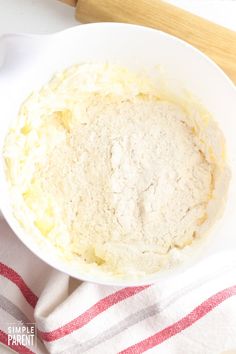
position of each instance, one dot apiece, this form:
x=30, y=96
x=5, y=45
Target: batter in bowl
x=109, y=172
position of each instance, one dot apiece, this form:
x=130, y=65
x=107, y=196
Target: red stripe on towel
x=200, y=311
x=91, y=313
x=14, y=277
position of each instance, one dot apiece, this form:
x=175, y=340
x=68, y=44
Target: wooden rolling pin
x=217, y=42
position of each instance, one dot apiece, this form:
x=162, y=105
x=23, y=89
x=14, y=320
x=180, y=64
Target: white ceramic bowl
x=28, y=61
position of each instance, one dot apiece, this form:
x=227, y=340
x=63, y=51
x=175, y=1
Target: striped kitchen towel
x=193, y=314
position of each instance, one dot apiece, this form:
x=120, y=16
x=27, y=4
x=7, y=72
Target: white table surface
x=45, y=16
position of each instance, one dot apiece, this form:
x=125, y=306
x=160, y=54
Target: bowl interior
x=30, y=61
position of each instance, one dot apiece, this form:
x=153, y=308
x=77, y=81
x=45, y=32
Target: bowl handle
x=18, y=50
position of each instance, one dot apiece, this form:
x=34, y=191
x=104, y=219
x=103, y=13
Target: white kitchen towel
x=193, y=314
